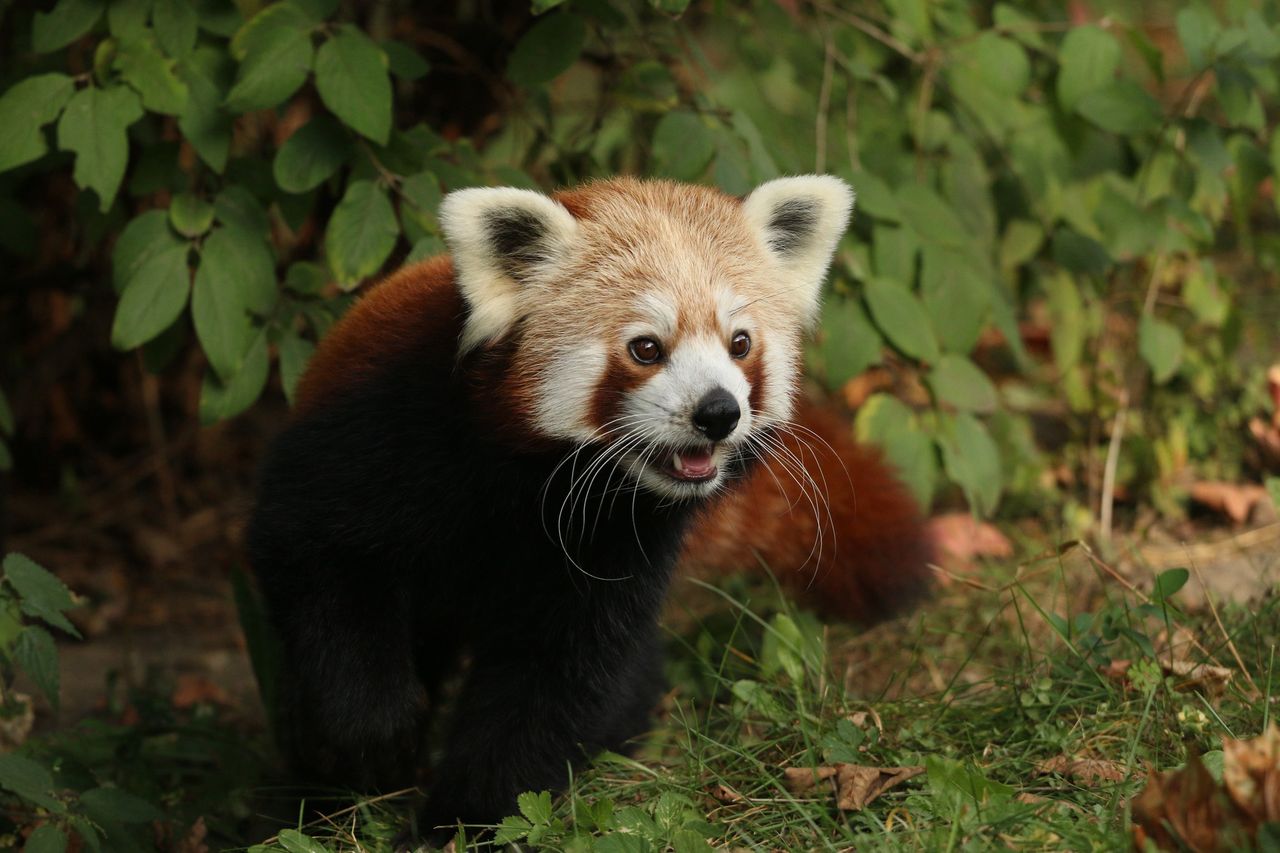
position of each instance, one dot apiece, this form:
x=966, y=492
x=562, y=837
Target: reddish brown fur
x=873, y=566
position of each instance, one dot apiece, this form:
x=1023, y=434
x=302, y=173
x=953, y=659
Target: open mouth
x=691, y=465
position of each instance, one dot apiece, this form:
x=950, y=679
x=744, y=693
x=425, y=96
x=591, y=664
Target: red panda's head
x=661, y=321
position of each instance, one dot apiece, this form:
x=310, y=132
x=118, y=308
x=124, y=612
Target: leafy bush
x=1019, y=177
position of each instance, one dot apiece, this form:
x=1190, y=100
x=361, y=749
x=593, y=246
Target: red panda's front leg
x=525, y=716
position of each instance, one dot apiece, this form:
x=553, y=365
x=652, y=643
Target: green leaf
x=849, y=344
x=972, y=461
x=206, y=125
x=931, y=216
x=959, y=382
x=152, y=75
x=236, y=207
x=235, y=281
x=1160, y=345
x=219, y=400
x=1089, y=58
x=296, y=842
x=295, y=352
x=997, y=63
x=535, y=807
x=154, y=295
x=176, y=26
x=29, y=780
x=1198, y=29
x=899, y=314
x=47, y=838
x=26, y=107
x=427, y=247
x=116, y=806
x=886, y=422
x=43, y=596
x=190, y=215
x=403, y=61
x=66, y=22
x=422, y=192
x=1122, y=107
x=1067, y=321
x=511, y=829
x=127, y=18
x=275, y=54
x=36, y=653
x=93, y=126
x=1169, y=582
x=1021, y=241
x=1080, y=254
x=893, y=253
x=683, y=145
x=311, y=155
x=146, y=236
x=547, y=50
x=306, y=277
x=956, y=297
x=351, y=76
x=1204, y=295
x=875, y=197
x=362, y=232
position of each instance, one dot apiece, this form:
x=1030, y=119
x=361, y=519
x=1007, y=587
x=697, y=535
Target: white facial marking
x=780, y=379
x=660, y=317
x=567, y=384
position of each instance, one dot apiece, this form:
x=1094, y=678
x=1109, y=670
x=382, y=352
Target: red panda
x=502, y=454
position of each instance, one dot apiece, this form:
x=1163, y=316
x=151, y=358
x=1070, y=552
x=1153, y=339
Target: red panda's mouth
x=691, y=465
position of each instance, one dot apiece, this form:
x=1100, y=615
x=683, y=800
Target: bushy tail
x=850, y=541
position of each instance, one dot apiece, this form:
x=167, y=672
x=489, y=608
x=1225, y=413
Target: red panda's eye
x=645, y=350
x=740, y=345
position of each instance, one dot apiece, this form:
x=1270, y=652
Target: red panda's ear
x=502, y=239
x=799, y=221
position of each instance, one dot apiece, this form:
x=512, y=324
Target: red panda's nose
x=716, y=414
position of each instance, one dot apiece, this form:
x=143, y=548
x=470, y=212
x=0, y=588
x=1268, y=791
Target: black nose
x=717, y=414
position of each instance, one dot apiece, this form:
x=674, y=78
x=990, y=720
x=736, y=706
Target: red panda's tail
x=866, y=561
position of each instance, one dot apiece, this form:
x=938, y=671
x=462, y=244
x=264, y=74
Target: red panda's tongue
x=692, y=464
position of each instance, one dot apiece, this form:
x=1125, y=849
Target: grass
x=982, y=687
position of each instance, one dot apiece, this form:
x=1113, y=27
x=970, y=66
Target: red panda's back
x=416, y=308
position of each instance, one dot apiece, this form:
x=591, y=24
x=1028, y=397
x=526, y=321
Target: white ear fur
x=502, y=238
x=800, y=220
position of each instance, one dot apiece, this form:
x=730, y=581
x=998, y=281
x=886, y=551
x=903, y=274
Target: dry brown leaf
x=960, y=538
x=856, y=785
x=725, y=794
x=1234, y=500
x=193, y=689
x=1084, y=769
x=1188, y=809
x=194, y=840
x=16, y=726
x=1251, y=774
x=1030, y=799
x=1198, y=676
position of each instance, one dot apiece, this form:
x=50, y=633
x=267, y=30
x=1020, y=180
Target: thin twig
x=1109, y=471
x=824, y=105
x=1213, y=608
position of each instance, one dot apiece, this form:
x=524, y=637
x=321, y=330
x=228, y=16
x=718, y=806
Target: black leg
x=353, y=708
x=524, y=719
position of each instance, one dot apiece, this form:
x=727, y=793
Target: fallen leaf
x=16, y=725
x=960, y=538
x=1083, y=769
x=1194, y=676
x=800, y=780
x=725, y=794
x=1027, y=798
x=193, y=689
x=1251, y=774
x=194, y=840
x=1234, y=500
x=1187, y=809
x=856, y=785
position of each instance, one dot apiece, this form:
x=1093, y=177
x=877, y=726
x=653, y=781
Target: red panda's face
x=660, y=322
